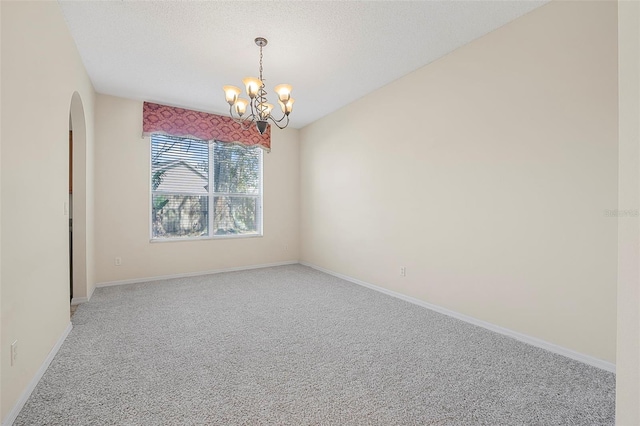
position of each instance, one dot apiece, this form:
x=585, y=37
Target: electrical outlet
x=14, y=352
x=403, y=271
x=118, y=261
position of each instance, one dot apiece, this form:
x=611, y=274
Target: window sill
x=192, y=239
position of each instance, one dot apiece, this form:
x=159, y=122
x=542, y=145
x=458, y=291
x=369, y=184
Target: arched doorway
x=77, y=201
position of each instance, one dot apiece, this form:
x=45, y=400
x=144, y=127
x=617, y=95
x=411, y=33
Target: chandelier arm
x=280, y=120
x=276, y=122
x=253, y=114
x=245, y=123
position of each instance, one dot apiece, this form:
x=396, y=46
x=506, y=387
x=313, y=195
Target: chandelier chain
x=261, y=64
x=261, y=98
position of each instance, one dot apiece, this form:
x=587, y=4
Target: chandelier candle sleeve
x=257, y=110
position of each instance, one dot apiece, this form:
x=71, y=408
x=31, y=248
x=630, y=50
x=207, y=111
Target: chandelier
x=260, y=109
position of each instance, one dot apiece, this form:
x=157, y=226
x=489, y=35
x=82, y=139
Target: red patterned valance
x=200, y=125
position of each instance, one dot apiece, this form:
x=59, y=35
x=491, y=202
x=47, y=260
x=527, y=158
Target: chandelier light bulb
x=267, y=109
x=241, y=106
x=264, y=110
x=284, y=92
x=288, y=106
x=231, y=94
x=252, y=85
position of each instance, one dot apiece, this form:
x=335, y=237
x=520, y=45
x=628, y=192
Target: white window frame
x=211, y=195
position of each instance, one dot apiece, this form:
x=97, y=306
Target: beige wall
x=1, y=347
x=487, y=174
x=122, y=205
x=41, y=70
x=628, y=355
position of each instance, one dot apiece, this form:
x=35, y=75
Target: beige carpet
x=293, y=346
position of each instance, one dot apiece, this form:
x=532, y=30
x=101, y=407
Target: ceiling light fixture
x=260, y=109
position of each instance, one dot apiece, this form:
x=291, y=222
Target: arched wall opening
x=78, y=199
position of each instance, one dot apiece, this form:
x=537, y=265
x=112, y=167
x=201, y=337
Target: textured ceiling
x=182, y=53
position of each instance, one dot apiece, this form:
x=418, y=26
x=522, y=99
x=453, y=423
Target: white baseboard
x=11, y=417
x=194, y=274
x=79, y=300
x=552, y=347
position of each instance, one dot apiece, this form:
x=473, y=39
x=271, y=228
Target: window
x=201, y=190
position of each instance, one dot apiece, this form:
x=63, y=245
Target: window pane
x=179, y=165
x=188, y=176
x=179, y=216
x=235, y=215
x=236, y=169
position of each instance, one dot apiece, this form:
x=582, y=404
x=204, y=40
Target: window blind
x=201, y=190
